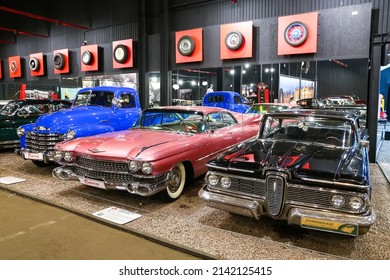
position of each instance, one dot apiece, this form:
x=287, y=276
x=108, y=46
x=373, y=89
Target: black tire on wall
x=34, y=64
x=59, y=61
x=233, y=40
x=87, y=58
x=121, y=53
x=186, y=45
x=296, y=33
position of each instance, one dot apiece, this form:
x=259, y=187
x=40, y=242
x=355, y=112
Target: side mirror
x=364, y=143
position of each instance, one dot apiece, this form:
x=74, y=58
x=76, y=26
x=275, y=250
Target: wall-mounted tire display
x=233, y=40
x=121, y=53
x=13, y=66
x=87, y=58
x=186, y=45
x=59, y=61
x=33, y=64
x=295, y=33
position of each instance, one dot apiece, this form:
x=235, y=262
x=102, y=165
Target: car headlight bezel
x=134, y=165
x=337, y=200
x=57, y=155
x=213, y=180
x=225, y=182
x=20, y=131
x=71, y=134
x=68, y=156
x=356, y=203
x=147, y=168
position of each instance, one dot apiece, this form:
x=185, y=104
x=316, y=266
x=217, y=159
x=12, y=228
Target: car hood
x=302, y=160
x=82, y=115
x=141, y=144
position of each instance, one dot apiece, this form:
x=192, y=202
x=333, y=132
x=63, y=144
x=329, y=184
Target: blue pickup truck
x=94, y=111
x=228, y=100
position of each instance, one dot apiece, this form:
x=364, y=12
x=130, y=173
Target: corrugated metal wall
x=198, y=13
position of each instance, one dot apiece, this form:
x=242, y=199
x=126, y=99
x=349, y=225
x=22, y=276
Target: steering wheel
x=191, y=127
x=332, y=138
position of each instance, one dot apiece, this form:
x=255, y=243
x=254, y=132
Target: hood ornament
x=41, y=128
x=95, y=151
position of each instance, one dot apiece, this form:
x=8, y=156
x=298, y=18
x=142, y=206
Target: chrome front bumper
x=294, y=214
x=45, y=156
x=133, y=187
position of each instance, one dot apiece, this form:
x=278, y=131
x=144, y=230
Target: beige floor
x=31, y=230
x=188, y=222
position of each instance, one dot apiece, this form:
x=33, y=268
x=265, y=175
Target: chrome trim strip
x=335, y=183
x=241, y=170
x=217, y=167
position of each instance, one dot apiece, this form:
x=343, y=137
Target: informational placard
x=117, y=215
x=11, y=180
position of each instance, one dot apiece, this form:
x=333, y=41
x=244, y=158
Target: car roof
x=108, y=88
x=222, y=92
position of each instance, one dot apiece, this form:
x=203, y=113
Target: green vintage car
x=18, y=112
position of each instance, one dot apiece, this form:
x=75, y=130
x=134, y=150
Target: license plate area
x=330, y=226
x=34, y=156
x=92, y=183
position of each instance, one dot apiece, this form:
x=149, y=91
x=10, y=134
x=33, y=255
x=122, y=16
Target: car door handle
x=230, y=133
x=104, y=121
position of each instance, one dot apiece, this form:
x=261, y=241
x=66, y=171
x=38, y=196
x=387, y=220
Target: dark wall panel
x=350, y=41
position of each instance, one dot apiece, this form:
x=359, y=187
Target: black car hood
x=303, y=160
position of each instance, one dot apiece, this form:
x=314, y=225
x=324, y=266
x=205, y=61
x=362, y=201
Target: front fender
x=90, y=130
x=27, y=128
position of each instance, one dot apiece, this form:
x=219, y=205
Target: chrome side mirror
x=364, y=143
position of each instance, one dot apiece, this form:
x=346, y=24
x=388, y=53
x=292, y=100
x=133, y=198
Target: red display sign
x=122, y=54
x=36, y=64
x=236, y=40
x=189, y=45
x=89, y=58
x=61, y=61
x=14, y=65
x=297, y=34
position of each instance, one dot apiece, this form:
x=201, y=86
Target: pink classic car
x=167, y=147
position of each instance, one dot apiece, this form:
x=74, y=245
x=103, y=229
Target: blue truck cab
x=94, y=111
x=229, y=100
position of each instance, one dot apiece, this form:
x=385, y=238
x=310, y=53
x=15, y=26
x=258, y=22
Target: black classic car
x=308, y=167
x=18, y=112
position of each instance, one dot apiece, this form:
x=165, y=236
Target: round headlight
x=71, y=134
x=355, y=203
x=337, y=200
x=213, y=180
x=20, y=131
x=225, y=182
x=57, y=155
x=133, y=165
x=146, y=168
x=68, y=156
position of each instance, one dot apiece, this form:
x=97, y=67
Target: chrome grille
x=114, y=177
x=102, y=165
x=42, y=142
x=250, y=187
x=301, y=195
x=274, y=196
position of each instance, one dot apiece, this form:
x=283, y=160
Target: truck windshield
x=94, y=98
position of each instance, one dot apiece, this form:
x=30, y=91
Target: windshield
x=94, y=98
x=9, y=109
x=262, y=109
x=178, y=121
x=307, y=129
